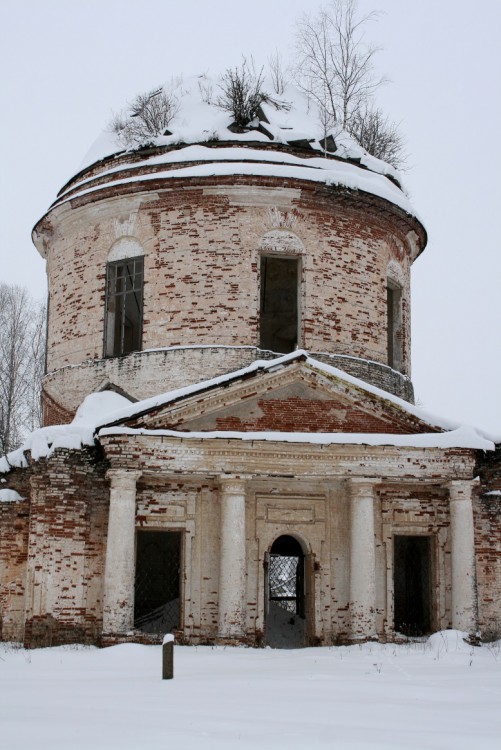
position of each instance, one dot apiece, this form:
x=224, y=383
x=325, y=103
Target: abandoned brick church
x=230, y=447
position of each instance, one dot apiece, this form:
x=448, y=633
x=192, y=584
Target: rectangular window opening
x=157, y=591
x=279, y=307
x=124, y=307
x=394, y=325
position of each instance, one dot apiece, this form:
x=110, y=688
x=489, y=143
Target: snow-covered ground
x=434, y=695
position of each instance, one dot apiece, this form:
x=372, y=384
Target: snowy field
x=429, y=696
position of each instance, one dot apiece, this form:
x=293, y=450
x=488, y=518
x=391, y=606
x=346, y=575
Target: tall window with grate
x=124, y=307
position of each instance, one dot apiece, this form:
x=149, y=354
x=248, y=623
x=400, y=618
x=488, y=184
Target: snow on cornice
x=265, y=365
x=202, y=161
x=102, y=413
x=463, y=437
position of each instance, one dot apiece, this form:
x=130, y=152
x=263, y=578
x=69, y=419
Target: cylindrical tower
x=175, y=263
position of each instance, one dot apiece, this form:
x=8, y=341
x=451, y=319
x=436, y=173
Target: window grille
x=124, y=307
x=283, y=574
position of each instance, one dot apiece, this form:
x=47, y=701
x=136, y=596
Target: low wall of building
x=144, y=374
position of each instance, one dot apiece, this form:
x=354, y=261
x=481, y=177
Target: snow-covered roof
x=200, y=118
x=272, y=365
x=462, y=437
x=101, y=414
x=201, y=142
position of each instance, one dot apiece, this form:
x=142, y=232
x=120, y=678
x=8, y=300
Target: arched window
x=123, y=321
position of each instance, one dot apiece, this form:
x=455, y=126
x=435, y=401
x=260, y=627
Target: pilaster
x=118, y=605
x=232, y=571
x=362, y=558
x=464, y=600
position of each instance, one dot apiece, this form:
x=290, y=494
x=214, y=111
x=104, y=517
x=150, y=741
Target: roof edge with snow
x=89, y=423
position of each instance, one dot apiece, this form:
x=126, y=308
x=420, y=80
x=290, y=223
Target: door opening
x=157, y=582
x=285, y=585
x=412, y=585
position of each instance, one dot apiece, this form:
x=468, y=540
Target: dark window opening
x=157, y=582
x=124, y=307
x=278, y=315
x=394, y=325
x=412, y=585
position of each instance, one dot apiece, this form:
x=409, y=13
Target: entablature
x=211, y=457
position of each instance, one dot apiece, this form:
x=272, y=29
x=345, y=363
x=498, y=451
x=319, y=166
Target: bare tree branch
x=279, y=73
x=335, y=67
x=22, y=347
x=378, y=136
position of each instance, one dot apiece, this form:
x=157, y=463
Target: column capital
x=362, y=487
x=123, y=477
x=233, y=484
x=461, y=489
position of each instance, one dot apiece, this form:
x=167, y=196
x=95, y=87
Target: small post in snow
x=168, y=657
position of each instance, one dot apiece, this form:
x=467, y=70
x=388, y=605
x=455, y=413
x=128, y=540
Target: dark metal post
x=168, y=657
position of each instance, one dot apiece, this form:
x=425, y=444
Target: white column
x=464, y=603
x=362, y=559
x=232, y=578
x=118, y=604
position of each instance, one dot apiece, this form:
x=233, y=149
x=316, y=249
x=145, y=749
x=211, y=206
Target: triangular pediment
x=293, y=397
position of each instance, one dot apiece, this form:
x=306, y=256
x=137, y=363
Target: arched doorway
x=286, y=595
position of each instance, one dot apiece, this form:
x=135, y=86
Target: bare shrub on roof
x=206, y=89
x=241, y=93
x=146, y=117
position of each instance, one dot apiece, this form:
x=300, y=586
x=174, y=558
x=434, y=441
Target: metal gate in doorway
x=286, y=621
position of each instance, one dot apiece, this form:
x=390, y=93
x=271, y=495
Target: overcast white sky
x=68, y=64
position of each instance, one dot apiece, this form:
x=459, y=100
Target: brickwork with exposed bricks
x=202, y=247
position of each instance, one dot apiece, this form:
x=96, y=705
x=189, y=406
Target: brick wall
x=14, y=524
x=488, y=542
x=145, y=374
x=202, y=246
x=52, y=559
x=67, y=538
x=414, y=511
